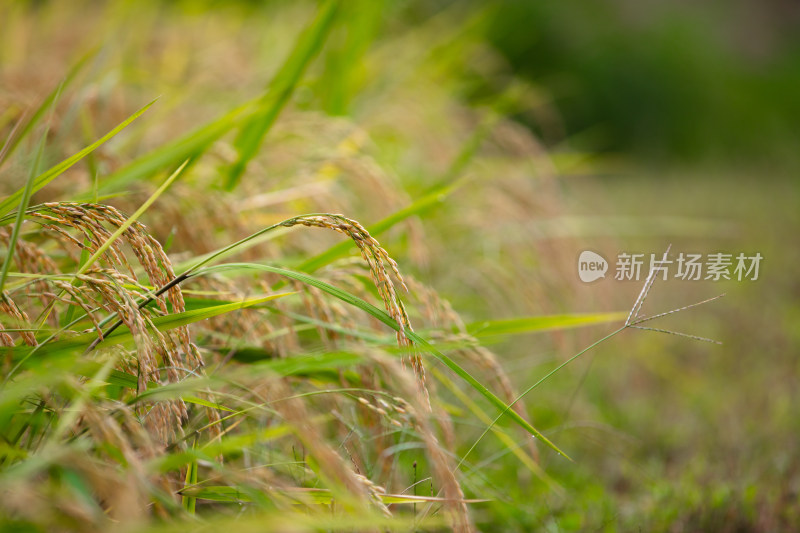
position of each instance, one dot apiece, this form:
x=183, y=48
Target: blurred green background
x=676, y=80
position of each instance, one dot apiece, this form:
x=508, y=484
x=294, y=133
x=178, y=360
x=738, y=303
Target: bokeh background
x=616, y=126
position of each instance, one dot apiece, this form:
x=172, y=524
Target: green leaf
x=189, y=502
x=281, y=89
x=516, y=326
x=311, y=363
x=179, y=150
x=206, y=403
x=121, y=336
x=122, y=379
x=43, y=179
x=27, y=191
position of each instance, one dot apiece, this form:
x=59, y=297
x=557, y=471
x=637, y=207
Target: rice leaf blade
x=46, y=177
x=27, y=191
x=280, y=90
x=178, y=150
x=517, y=326
x=121, y=336
x=190, y=502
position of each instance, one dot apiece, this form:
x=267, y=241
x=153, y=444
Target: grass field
x=307, y=267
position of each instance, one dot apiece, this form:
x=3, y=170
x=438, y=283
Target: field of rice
x=313, y=266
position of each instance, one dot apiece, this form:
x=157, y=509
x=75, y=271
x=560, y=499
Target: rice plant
x=185, y=341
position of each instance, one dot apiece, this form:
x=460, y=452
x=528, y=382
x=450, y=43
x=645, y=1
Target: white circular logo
x=591, y=266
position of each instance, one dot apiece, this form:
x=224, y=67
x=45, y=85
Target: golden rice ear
x=113, y=287
x=377, y=259
x=11, y=309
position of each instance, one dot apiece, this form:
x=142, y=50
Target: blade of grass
x=27, y=192
x=516, y=326
x=29, y=422
x=310, y=363
x=43, y=179
x=281, y=89
x=206, y=403
x=344, y=64
x=189, y=502
x=10, y=139
x=180, y=389
x=181, y=149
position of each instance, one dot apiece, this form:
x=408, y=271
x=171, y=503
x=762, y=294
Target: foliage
x=192, y=336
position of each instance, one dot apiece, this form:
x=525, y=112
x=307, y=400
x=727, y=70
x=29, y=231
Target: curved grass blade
x=11, y=137
x=189, y=502
x=311, y=363
x=43, y=179
x=206, y=403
